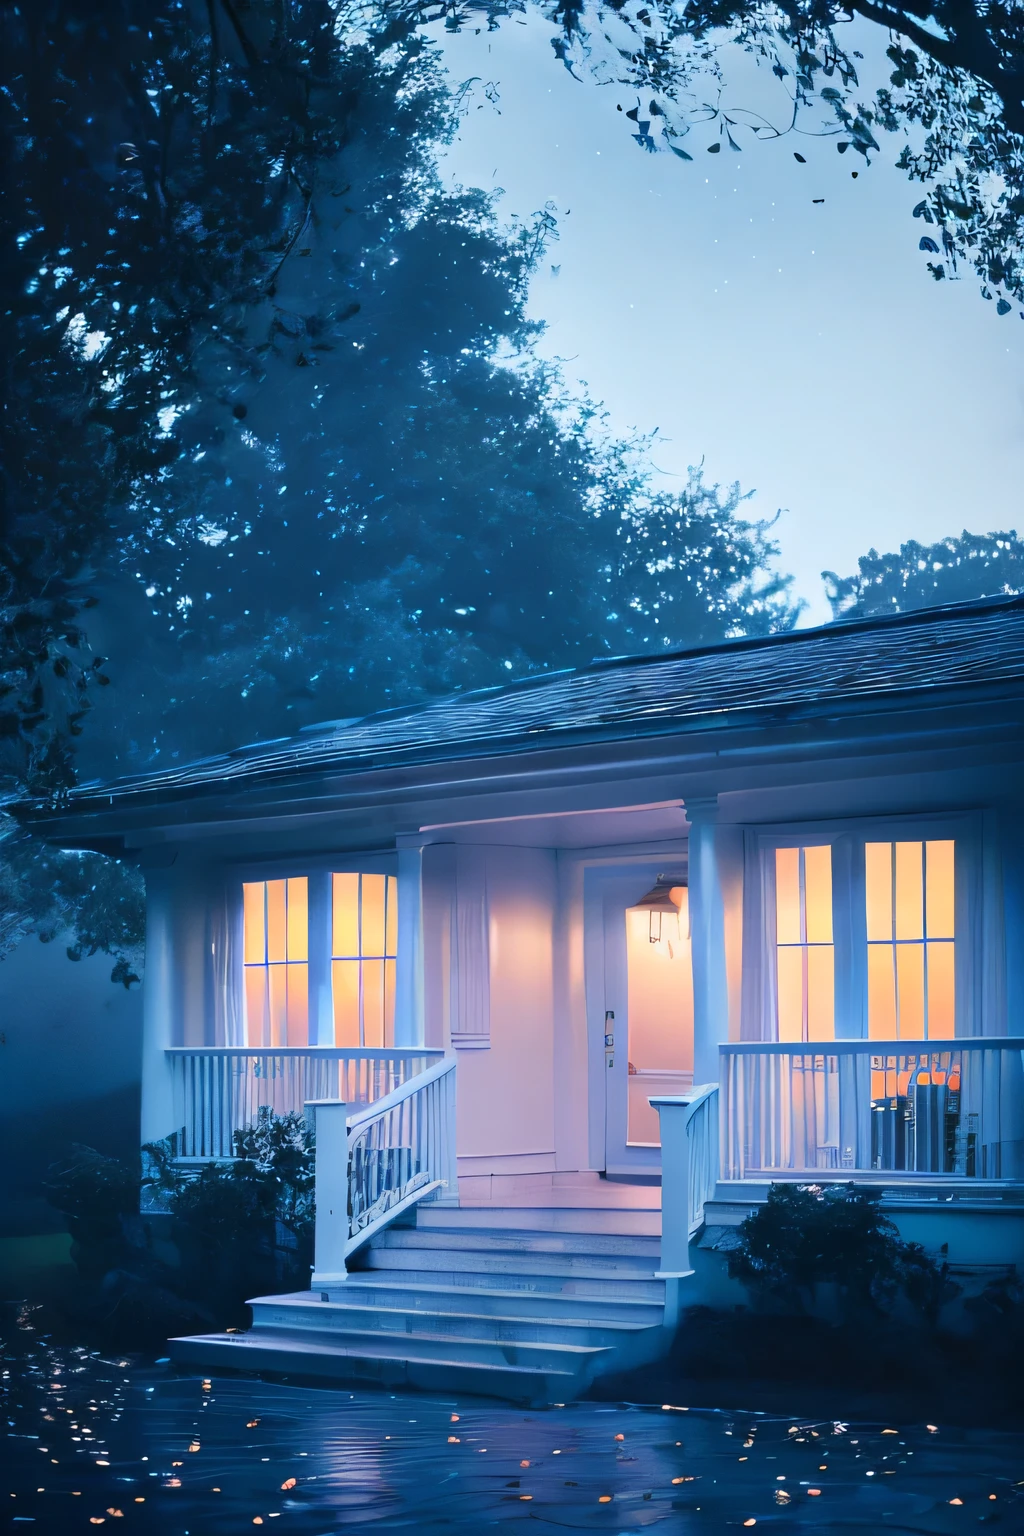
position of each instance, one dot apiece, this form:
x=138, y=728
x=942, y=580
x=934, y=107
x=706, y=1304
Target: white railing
x=374, y=1164
x=689, y=1170
x=863, y=1107
x=218, y=1090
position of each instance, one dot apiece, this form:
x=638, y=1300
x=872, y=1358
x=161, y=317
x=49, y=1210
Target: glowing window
x=804, y=954
x=910, y=923
x=276, y=955
x=364, y=945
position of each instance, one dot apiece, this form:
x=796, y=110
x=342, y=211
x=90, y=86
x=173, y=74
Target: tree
x=954, y=570
x=955, y=96
x=278, y=387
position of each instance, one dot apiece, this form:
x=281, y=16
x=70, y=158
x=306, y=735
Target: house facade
x=775, y=887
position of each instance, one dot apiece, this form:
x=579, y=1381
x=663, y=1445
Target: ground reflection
x=94, y=1441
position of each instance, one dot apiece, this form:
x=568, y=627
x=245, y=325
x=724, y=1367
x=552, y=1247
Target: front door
x=648, y=1011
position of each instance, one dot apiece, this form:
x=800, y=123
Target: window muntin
x=364, y=947
x=276, y=962
x=909, y=897
x=804, y=949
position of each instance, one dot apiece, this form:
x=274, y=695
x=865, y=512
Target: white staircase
x=527, y=1304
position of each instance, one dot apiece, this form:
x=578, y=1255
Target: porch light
x=661, y=898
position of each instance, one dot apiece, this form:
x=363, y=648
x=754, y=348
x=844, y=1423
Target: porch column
x=707, y=939
x=321, y=999
x=174, y=992
x=410, y=1026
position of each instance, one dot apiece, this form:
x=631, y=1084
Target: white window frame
x=976, y=941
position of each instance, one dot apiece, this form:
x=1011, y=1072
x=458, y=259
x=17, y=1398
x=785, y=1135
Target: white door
x=648, y=1012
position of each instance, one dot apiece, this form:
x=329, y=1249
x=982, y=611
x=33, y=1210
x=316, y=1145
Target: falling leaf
x=799, y=157
x=620, y=1437
x=289, y=1482
x=455, y=1418
x=713, y=149
x=194, y=1446
x=252, y=1424
x=813, y=1493
x=524, y=1463
x=956, y=1501
x=454, y=1440
x=118, y=1514
x=605, y=1498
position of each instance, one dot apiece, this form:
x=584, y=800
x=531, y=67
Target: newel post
x=330, y=1124
x=674, y=1116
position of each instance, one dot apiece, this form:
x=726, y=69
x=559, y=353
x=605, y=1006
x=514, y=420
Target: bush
x=808, y=1237
x=231, y=1231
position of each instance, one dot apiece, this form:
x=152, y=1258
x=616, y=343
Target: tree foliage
x=953, y=98
x=279, y=446
x=953, y=570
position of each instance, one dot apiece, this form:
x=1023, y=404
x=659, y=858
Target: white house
x=775, y=887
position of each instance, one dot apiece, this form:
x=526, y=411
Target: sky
x=799, y=347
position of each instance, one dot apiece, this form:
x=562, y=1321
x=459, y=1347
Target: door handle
x=609, y=1037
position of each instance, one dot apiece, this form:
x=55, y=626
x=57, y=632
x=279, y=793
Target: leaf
x=799, y=157
x=680, y=152
x=843, y=146
x=926, y=243
x=733, y=144
x=634, y=113
x=1003, y=308
x=713, y=149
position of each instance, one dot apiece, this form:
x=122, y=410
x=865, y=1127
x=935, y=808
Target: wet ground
x=97, y=1441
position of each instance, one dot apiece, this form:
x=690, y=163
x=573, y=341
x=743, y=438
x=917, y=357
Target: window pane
x=345, y=914
x=373, y=1002
x=881, y=990
x=277, y=983
x=941, y=992
x=345, y=983
x=818, y=894
x=910, y=890
x=371, y=915
x=910, y=989
x=391, y=932
x=253, y=896
x=276, y=924
x=298, y=920
x=939, y=862
x=878, y=885
x=821, y=1023
x=256, y=1004
x=787, y=896
x=791, y=993
x=298, y=1004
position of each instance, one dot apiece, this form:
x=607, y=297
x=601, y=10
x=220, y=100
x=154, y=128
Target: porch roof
x=951, y=652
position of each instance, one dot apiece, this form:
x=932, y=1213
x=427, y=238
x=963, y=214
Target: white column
x=707, y=931
x=330, y=1123
x=321, y=1000
x=158, y=1112
x=409, y=1001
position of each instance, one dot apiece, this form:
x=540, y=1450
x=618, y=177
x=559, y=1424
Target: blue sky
x=798, y=347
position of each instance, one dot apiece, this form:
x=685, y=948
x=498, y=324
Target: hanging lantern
x=659, y=901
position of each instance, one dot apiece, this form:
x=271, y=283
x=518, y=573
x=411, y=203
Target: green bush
x=807, y=1237
x=222, y=1233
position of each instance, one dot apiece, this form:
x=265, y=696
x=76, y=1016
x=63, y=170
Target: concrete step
x=536, y=1277
x=482, y=1239
x=426, y=1343
x=309, y=1314
x=454, y=1258
x=375, y=1288
x=293, y=1355
x=642, y=1223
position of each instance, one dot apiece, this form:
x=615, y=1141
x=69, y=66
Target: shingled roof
x=916, y=655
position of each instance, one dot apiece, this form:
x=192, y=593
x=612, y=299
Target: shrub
x=806, y=1237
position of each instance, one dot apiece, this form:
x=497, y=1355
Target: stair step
x=616, y=1220
x=536, y=1279
x=481, y=1240
x=296, y=1356
x=562, y=1266
x=427, y=1344
x=377, y=1288
x=309, y=1314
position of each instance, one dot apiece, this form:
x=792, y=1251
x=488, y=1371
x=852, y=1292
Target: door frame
x=608, y=890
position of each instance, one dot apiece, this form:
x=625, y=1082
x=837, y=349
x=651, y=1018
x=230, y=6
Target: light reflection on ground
x=94, y=1442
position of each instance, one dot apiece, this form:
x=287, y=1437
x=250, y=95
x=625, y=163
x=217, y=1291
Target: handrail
x=376, y=1164
x=219, y=1090
x=689, y=1173
x=318, y=1052
x=400, y=1094
x=872, y=1047
x=916, y=1109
